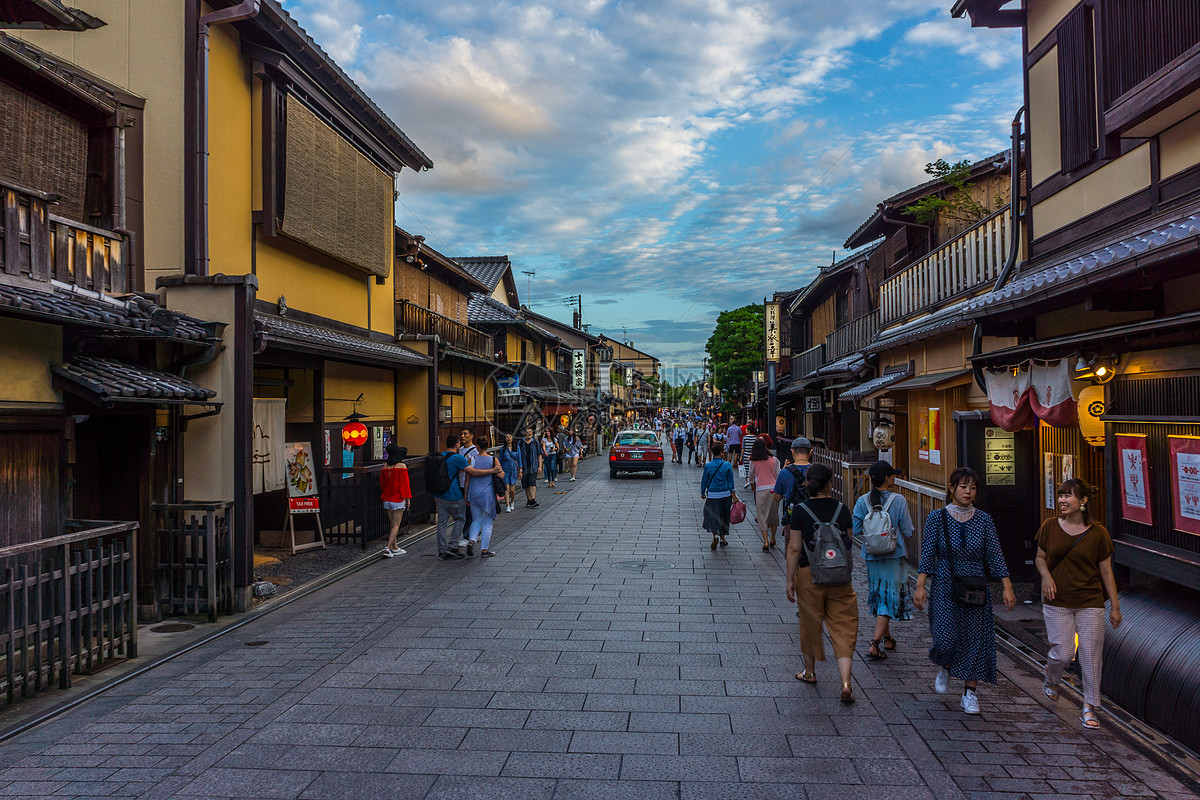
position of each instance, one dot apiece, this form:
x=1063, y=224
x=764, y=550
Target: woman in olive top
x=1074, y=558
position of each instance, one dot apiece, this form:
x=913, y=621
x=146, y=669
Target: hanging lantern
x=355, y=434
x=884, y=435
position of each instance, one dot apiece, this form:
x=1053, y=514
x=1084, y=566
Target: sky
x=667, y=159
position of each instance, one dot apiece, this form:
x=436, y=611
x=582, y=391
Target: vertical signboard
x=578, y=369
x=1185, y=482
x=774, y=341
x=1135, y=478
x=1000, y=461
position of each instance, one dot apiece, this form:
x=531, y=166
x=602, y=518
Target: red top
x=393, y=483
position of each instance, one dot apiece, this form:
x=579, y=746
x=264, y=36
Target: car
x=635, y=451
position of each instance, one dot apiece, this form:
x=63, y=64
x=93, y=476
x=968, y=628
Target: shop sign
x=509, y=386
x=1068, y=467
x=578, y=369
x=812, y=405
x=1135, y=478
x=999, y=453
x=773, y=338
x=1185, y=482
x=304, y=505
x=629, y=376
x=1048, y=479
x=301, y=480
x=606, y=380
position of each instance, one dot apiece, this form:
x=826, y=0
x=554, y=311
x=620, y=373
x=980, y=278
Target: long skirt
x=716, y=515
x=765, y=511
x=835, y=606
x=887, y=582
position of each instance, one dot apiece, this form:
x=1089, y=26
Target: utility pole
x=577, y=301
x=529, y=273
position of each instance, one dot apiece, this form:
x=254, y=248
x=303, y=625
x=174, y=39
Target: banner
x=1008, y=399
x=1135, y=478
x=1185, y=482
x=578, y=369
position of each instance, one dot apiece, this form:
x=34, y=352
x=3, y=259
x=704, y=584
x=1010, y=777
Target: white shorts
x=395, y=506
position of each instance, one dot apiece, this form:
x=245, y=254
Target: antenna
x=529, y=273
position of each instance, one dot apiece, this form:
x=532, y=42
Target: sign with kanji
x=578, y=369
x=999, y=450
x=1185, y=482
x=508, y=386
x=1135, y=478
x=774, y=339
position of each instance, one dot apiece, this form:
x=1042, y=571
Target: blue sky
x=642, y=153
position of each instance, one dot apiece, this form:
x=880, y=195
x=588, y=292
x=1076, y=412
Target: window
x=1141, y=37
x=1077, y=89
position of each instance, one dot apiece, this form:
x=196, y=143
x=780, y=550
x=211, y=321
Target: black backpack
x=437, y=474
x=799, y=491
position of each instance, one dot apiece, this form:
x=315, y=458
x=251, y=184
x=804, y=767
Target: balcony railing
x=806, y=362
x=71, y=606
x=412, y=318
x=853, y=336
x=41, y=246
x=959, y=267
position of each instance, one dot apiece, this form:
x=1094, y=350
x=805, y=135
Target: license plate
x=635, y=455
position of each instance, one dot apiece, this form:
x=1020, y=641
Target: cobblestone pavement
x=605, y=652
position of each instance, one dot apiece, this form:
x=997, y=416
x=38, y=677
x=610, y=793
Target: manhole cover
x=172, y=627
x=256, y=644
x=642, y=566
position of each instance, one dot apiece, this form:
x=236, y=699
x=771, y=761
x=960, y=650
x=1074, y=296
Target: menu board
x=1185, y=482
x=1135, y=478
x=1000, y=457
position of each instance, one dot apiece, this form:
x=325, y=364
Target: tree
x=735, y=350
x=958, y=204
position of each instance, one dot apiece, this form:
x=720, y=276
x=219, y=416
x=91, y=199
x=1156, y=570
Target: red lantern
x=355, y=434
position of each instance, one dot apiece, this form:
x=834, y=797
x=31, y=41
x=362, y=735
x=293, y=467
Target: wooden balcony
x=806, y=362
x=960, y=267
x=42, y=246
x=853, y=336
x=412, y=318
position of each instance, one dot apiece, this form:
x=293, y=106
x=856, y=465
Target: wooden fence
x=69, y=606
x=195, y=558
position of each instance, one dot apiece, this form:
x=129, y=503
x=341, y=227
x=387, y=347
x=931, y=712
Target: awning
x=108, y=381
x=846, y=365
x=936, y=380
x=71, y=305
x=304, y=337
x=945, y=320
x=875, y=386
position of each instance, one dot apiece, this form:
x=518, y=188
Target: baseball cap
x=800, y=443
x=881, y=469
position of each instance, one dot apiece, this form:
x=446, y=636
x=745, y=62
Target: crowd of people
x=959, y=559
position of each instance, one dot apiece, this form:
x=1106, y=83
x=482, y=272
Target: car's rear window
x=627, y=439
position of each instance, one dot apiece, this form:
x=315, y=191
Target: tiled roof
x=70, y=305
x=47, y=15
x=846, y=365
x=112, y=381
x=481, y=308
x=1113, y=259
x=488, y=270
x=883, y=381
x=950, y=318
x=306, y=337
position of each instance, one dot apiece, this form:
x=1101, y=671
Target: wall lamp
x=1098, y=369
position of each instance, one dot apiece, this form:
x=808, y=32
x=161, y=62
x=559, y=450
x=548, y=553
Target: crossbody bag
x=966, y=590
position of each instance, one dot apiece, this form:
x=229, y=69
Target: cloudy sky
x=667, y=159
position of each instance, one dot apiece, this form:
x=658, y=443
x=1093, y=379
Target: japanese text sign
x=1185, y=482
x=773, y=336
x=578, y=369
x=1135, y=478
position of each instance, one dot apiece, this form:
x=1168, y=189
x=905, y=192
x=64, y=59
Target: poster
x=1050, y=489
x=1185, y=482
x=327, y=447
x=1135, y=478
x=377, y=451
x=999, y=454
x=923, y=433
x=301, y=479
x=935, y=436
x=1068, y=467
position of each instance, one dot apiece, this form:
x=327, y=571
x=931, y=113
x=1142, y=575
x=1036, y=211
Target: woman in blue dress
x=510, y=462
x=484, y=502
x=964, y=636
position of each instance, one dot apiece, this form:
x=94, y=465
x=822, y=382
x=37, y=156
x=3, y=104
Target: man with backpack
x=789, y=486
x=441, y=480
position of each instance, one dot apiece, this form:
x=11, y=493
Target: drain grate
x=172, y=627
x=645, y=565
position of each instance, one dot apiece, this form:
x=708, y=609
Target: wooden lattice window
x=1077, y=88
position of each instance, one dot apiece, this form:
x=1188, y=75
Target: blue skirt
x=887, y=581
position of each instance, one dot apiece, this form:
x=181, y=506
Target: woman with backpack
x=881, y=518
x=961, y=550
x=716, y=487
x=818, y=578
x=764, y=469
x=1074, y=558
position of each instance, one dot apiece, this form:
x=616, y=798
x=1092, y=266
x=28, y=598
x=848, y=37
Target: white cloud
x=992, y=49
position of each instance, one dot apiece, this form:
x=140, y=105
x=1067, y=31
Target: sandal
x=847, y=694
x=1088, y=718
x=1051, y=692
x=766, y=548
x=723, y=542
x=806, y=676
x=879, y=655
x=888, y=642
x=714, y=544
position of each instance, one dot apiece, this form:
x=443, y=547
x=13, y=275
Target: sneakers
x=387, y=553
x=470, y=549
x=942, y=682
x=532, y=504
x=969, y=702
x=463, y=542
x=486, y=554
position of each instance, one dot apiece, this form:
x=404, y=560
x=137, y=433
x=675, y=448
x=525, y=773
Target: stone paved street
x=605, y=652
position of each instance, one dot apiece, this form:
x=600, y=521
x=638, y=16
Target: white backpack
x=879, y=535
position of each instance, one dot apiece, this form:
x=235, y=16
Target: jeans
x=481, y=523
x=551, y=467
x=448, y=510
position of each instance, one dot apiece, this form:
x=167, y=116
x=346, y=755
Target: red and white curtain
x=1019, y=398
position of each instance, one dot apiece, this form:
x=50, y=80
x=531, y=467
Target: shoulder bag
x=966, y=590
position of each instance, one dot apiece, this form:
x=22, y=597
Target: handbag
x=498, y=486
x=966, y=590
x=737, y=512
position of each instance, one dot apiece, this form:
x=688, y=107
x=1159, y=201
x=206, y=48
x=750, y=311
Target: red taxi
x=635, y=451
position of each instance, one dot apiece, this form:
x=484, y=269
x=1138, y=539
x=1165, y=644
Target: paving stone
x=622, y=742
x=368, y=786
x=563, y=765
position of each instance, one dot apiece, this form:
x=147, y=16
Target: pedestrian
x=733, y=442
x=510, y=462
x=887, y=574
x=678, y=443
x=528, y=467
x=703, y=442
x=961, y=550
x=1073, y=591
x=574, y=451
x=394, y=491
x=790, y=478
x=549, y=457
x=716, y=488
x=835, y=606
x=468, y=450
x=748, y=439
x=764, y=471
x=481, y=494
x=451, y=511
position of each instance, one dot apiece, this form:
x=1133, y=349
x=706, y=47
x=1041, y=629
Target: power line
x=445, y=247
x=770, y=228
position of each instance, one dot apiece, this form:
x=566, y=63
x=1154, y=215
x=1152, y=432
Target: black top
x=823, y=507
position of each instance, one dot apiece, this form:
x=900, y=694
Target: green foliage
x=735, y=349
x=958, y=204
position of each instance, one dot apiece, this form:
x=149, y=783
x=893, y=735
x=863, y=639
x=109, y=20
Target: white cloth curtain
x=270, y=469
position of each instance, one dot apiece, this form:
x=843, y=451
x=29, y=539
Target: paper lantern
x=355, y=434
